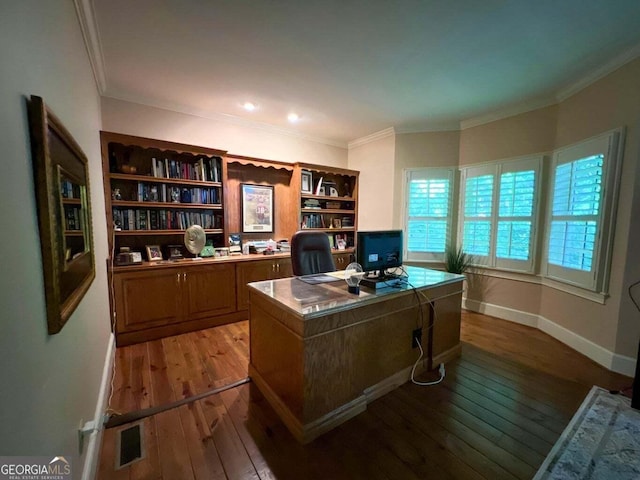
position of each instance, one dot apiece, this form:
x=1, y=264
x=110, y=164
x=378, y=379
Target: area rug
x=602, y=441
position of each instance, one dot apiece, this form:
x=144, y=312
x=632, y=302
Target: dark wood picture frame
x=257, y=208
x=61, y=176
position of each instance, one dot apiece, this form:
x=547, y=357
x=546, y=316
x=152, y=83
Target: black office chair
x=311, y=253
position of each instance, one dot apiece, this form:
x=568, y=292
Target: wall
x=240, y=139
x=425, y=149
x=375, y=161
x=611, y=102
x=49, y=383
x=527, y=133
x=524, y=134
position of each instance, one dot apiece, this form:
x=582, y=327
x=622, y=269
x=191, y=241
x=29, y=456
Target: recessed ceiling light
x=249, y=107
x=293, y=117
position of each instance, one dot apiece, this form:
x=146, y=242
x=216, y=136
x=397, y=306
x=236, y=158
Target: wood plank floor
x=501, y=407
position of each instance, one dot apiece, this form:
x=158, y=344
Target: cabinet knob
x=278, y=268
x=184, y=277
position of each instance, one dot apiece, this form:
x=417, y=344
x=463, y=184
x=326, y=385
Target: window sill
x=596, y=297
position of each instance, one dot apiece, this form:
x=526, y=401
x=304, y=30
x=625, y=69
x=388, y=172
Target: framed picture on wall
x=61, y=181
x=257, y=208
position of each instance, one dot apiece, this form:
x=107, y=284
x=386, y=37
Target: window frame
x=497, y=169
x=430, y=173
x=610, y=144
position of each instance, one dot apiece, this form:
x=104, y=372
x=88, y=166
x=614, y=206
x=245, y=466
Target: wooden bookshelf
x=328, y=202
x=154, y=190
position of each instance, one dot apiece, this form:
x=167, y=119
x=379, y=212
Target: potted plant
x=456, y=260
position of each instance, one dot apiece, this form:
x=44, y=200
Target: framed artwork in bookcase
x=257, y=208
x=61, y=177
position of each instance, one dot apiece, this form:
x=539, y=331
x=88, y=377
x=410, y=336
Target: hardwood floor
x=501, y=407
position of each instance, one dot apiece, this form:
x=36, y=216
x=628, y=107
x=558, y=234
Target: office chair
x=311, y=253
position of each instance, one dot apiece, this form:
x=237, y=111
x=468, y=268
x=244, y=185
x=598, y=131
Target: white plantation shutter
x=478, y=207
x=578, y=239
x=517, y=213
x=428, y=213
x=500, y=204
x=576, y=205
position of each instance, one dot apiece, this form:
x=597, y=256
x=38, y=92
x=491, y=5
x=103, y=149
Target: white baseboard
x=608, y=359
x=95, y=438
x=505, y=313
x=623, y=365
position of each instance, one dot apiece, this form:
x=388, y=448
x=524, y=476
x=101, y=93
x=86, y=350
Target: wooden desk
x=320, y=354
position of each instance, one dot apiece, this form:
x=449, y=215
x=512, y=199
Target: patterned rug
x=602, y=441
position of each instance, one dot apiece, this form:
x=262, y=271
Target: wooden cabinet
x=146, y=299
x=155, y=302
x=154, y=190
x=329, y=202
x=343, y=259
x=256, y=271
x=209, y=291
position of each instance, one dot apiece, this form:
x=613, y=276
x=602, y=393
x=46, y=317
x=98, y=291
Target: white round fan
x=194, y=240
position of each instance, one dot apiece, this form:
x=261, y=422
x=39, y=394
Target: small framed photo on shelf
x=175, y=252
x=153, y=253
x=307, y=182
x=336, y=223
x=341, y=242
x=235, y=243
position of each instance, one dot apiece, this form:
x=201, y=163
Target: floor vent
x=129, y=446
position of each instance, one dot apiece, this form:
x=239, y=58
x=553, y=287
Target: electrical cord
x=441, y=368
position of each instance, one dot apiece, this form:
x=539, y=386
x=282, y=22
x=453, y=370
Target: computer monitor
x=379, y=250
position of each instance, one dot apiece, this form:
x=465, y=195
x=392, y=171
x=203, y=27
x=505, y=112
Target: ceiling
x=353, y=68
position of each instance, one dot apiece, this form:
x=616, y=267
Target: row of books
x=69, y=189
x=72, y=218
x=205, y=169
x=141, y=219
x=316, y=220
x=166, y=193
x=313, y=221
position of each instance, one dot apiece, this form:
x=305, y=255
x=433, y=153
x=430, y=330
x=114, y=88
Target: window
x=499, y=212
x=583, y=189
x=428, y=219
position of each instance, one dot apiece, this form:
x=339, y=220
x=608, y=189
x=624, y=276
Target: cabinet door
x=341, y=260
x=209, y=290
x=254, y=271
x=147, y=299
x=283, y=268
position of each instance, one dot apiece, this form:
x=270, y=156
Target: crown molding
x=507, y=112
x=89, y=28
x=592, y=77
x=452, y=126
x=372, y=138
x=227, y=118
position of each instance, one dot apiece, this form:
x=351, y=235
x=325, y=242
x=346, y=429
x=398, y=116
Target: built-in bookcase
x=329, y=202
x=155, y=190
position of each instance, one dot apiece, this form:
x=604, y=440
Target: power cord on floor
x=441, y=370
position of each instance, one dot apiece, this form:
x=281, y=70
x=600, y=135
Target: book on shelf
x=205, y=169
